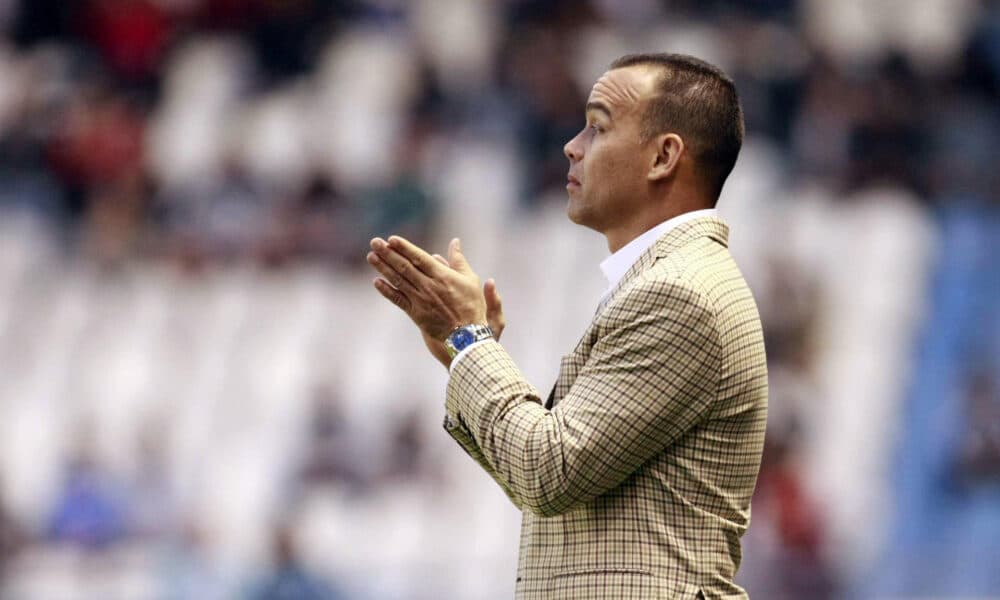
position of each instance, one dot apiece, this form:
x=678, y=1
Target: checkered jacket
x=635, y=477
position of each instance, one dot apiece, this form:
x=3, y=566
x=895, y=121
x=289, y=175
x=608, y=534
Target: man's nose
x=573, y=150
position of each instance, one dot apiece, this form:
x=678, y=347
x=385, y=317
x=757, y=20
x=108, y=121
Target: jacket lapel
x=677, y=237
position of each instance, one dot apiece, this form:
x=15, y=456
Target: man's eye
x=596, y=128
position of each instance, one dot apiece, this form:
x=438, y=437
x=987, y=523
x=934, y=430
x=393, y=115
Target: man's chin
x=576, y=213
x=573, y=211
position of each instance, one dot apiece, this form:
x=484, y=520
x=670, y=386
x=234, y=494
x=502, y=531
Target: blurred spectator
x=401, y=207
x=320, y=223
x=888, y=141
x=289, y=578
x=114, y=222
x=132, y=36
x=97, y=143
x=406, y=449
x=92, y=508
x=331, y=457
x=782, y=496
x=979, y=453
x=11, y=538
x=46, y=20
x=189, y=569
x=155, y=513
x=225, y=217
x=790, y=328
x=541, y=85
x=287, y=34
x=820, y=135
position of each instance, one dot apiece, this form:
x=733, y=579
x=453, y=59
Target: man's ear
x=669, y=148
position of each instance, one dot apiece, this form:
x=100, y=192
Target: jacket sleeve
x=651, y=376
x=461, y=434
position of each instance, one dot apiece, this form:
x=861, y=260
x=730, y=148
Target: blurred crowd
x=202, y=397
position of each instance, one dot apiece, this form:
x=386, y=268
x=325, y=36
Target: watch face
x=462, y=338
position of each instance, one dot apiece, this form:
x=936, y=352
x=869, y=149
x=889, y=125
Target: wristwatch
x=464, y=336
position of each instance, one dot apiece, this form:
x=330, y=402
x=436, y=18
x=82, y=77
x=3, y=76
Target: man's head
x=662, y=134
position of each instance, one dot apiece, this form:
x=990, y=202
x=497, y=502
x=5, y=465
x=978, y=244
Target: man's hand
x=437, y=294
x=494, y=316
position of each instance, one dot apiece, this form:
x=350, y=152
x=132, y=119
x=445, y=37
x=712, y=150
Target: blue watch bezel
x=462, y=338
x=465, y=336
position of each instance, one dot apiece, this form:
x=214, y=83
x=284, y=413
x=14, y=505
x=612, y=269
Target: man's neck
x=617, y=265
x=619, y=237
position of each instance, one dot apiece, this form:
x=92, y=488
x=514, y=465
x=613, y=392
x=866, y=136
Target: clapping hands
x=438, y=294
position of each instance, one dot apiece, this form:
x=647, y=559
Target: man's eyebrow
x=594, y=105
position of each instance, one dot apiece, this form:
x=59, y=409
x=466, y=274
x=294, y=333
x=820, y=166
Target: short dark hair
x=697, y=101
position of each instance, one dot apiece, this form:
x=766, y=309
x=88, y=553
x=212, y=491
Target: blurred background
x=201, y=396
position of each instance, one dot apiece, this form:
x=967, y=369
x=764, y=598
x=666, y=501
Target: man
x=635, y=476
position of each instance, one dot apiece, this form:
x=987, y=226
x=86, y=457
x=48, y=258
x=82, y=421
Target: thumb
x=493, y=302
x=494, y=308
x=456, y=258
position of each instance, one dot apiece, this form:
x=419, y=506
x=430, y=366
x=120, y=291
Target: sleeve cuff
x=458, y=357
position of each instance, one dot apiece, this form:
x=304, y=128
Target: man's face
x=608, y=160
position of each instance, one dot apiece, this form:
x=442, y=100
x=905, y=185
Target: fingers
x=424, y=262
x=442, y=260
x=401, y=265
x=391, y=275
x=456, y=258
x=392, y=294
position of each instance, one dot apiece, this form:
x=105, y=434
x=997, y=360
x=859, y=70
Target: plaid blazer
x=634, y=478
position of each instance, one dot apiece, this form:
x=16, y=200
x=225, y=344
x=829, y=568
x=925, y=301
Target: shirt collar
x=615, y=266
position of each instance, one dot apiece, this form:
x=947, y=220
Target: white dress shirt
x=615, y=266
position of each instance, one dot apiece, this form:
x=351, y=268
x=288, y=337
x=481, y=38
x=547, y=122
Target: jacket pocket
x=600, y=570
x=626, y=583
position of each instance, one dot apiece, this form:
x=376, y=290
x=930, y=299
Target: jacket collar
x=710, y=226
